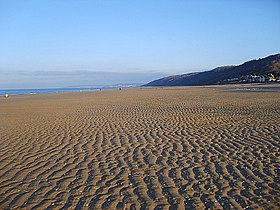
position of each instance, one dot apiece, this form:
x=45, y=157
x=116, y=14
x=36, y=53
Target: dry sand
x=166, y=148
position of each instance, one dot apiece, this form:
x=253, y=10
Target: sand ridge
x=162, y=148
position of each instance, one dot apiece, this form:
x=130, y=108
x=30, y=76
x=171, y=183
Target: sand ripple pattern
x=188, y=148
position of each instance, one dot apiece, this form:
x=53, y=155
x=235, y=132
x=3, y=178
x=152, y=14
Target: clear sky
x=61, y=43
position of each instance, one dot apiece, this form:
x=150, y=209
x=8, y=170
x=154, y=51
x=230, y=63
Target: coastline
x=50, y=90
x=251, y=86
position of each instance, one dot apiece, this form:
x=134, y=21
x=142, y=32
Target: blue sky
x=61, y=43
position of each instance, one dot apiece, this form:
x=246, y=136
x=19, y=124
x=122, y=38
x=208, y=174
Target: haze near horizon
x=73, y=43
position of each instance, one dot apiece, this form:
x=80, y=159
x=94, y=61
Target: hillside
x=264, y=66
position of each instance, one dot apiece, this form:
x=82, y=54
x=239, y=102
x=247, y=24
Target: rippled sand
x=167, y=148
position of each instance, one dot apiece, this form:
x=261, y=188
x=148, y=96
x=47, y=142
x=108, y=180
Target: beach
x=150, y=148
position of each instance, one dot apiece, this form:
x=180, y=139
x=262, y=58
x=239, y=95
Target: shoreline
x=230, y=87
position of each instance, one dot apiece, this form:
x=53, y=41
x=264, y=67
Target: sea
x=51, y=90
x=256, y=88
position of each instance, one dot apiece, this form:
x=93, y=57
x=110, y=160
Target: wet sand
x=165, y=148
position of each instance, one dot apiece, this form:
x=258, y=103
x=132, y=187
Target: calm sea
x=52, y=90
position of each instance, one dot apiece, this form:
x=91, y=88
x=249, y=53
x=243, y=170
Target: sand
x=165, y=148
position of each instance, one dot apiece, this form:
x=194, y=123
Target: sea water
x=51, y=90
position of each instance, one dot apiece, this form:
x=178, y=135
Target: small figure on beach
x=6, y=95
